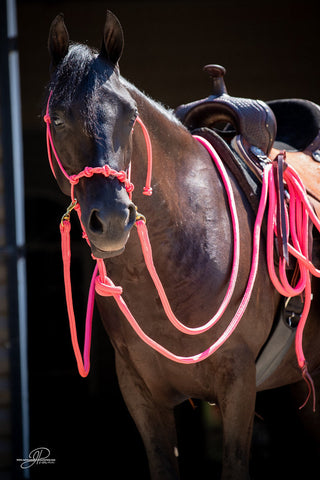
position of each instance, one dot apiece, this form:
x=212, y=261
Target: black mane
x=78, y=76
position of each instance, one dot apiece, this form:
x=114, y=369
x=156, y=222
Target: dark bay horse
x=93, y=110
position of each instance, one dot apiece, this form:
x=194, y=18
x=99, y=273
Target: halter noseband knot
x=74, y=179
x=88, y=172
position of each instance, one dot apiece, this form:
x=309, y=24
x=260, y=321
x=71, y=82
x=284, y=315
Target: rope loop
x=107, y=289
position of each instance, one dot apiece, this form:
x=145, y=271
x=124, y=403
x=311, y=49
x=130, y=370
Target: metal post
x=15, y=224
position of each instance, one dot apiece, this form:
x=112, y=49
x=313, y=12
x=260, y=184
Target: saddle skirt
x=258, y=131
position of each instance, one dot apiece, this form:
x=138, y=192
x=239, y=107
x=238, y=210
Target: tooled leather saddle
x=259, y=130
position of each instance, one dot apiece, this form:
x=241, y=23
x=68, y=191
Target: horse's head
x=91, y=119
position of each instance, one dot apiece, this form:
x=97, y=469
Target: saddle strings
x=300, y=211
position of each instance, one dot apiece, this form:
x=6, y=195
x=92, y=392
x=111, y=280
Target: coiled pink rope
x=147, y=252
x=300, y=212
x=105, y=287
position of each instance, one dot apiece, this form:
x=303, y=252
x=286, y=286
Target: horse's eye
x=58, y=122
x=133, y=118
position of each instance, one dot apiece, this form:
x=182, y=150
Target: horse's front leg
x=236, y=398
x=154, y=420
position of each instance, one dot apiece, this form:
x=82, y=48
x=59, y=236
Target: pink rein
x=300, y=211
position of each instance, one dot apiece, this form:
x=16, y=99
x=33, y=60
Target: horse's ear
x=112, y=43
x=58, y=41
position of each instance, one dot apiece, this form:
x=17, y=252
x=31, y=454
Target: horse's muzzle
x=108, y=229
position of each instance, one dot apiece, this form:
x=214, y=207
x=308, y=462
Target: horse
x=93, y=112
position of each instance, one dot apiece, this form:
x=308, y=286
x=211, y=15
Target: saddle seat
x=257, y=129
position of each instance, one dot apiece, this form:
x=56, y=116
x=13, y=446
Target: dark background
x=270, y=50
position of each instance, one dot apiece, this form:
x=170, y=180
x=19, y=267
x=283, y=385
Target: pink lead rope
x=300, y=211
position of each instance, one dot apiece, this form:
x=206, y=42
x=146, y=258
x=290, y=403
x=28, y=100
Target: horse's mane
x=80, y=70
x=163, y=109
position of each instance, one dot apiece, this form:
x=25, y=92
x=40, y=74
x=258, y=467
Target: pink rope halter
x=299, y=213
x=90, y=171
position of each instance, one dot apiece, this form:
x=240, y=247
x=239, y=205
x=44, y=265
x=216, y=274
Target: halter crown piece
x=298, y=215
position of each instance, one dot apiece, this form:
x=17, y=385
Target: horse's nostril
x=96, y=225
x=122, y=219
x=132, y=214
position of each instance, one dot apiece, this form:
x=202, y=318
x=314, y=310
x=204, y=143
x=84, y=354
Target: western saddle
x=247, y=134
x=258, y=131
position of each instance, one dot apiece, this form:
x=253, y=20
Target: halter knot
x=88, y=172
x=147, y=191
x=47, y=119
x=106, y=170
x=122, y=177
x=74, y=179
x=129, y=186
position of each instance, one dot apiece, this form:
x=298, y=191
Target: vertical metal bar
x=18, y=180
x=15, y=224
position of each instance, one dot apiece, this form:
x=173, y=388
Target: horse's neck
x=187, y=201
x=186, y=215
x=176, y=156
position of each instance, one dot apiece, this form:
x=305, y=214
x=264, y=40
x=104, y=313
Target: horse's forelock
x=70, y=74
